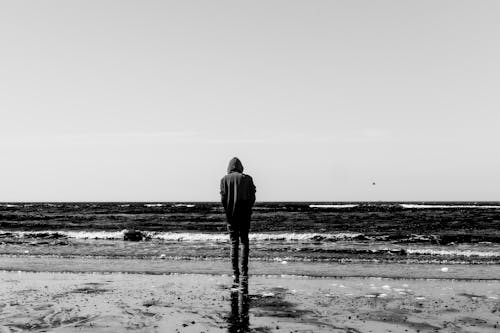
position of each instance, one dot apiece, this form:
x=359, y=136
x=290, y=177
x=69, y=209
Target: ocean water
x=407, y=232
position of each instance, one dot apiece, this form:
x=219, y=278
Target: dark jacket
x=237, y=190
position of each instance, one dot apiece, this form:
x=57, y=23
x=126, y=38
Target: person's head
x=235, y=165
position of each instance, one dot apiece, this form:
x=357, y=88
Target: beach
x=98, y=295
x=314, y=267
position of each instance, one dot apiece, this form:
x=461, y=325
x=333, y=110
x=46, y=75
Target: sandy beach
x=100, y=301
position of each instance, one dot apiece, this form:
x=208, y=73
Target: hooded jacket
x=237, y=190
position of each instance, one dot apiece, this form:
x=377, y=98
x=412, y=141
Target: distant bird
x=374, y=184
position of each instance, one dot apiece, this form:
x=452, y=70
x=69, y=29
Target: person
x=238, y=197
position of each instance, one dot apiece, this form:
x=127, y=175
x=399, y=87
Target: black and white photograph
x=189, y=166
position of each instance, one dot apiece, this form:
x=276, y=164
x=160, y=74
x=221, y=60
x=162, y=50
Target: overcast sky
x=148, y=100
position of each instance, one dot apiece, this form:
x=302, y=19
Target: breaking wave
x=422, y=206
x=334, y=206
x=161, y=205
x=454, y=253
x=298, y=246
x=185, y=236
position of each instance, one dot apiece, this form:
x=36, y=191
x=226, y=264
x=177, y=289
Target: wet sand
x=114, y=302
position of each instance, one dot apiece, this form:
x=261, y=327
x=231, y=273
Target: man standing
x=238, y=197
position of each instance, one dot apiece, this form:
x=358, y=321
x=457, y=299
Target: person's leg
x=245, y=250
x=235, y=245
x=244, y=253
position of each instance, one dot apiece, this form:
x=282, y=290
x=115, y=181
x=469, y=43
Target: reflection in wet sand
x=238, y=320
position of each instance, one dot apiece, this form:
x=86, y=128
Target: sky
x=118, y=100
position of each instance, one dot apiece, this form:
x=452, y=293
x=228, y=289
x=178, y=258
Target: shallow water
x=266, y=250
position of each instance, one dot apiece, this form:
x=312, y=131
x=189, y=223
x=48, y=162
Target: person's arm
x=223, y=193
x=252, y=193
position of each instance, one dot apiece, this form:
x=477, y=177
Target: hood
x=235, y=165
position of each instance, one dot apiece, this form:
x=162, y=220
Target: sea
x=399, y=232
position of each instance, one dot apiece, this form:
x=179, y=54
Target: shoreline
x=449, y=271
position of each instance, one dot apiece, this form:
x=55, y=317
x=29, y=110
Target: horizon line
x=258, y=201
